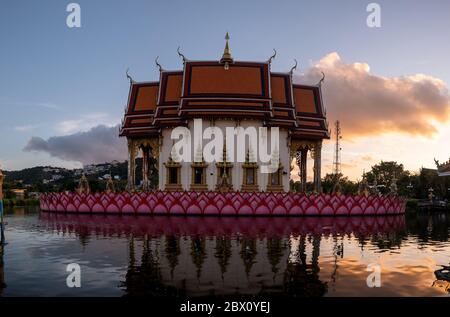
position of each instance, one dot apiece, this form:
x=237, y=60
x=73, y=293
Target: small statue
x=337, y=188
x=374, y=188
x=224, y=185
x=393, y=187
x=83, y=185
x=363, y=188
x=110, y=188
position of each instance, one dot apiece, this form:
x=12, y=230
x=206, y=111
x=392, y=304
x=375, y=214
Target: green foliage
x=20, y=202
x=32, y=179
x=348, y=187
x=412, y=205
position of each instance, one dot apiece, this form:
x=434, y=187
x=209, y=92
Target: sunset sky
x=63, y=90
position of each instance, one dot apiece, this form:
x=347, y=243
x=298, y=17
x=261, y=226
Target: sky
x=63, y=90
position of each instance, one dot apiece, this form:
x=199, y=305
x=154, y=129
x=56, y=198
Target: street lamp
x=409, y=187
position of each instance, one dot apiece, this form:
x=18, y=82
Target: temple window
x=173, y=176
x=250, y=178
x=275, y=183
x=199, y=176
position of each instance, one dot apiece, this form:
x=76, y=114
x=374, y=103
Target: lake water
x=195, y=256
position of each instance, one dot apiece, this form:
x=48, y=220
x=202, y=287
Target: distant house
x=34, y=195
x=18, y=193
x=56, y=177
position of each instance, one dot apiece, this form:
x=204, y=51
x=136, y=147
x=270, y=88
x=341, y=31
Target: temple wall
x=237, y=170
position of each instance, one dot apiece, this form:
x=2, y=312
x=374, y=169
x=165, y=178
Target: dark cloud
x=368, y=104
x=98, y=145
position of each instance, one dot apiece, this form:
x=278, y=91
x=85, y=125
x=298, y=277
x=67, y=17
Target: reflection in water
x=300, y=278
x=223, y=253
x=172, y=252
x=192, y=255
x=198, y=253
x=2, y=272
x=196, y=256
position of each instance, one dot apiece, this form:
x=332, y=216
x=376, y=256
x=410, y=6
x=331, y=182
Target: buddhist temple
x=223, y=92
x=443, y=169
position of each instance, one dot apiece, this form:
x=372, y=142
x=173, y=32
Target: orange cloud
x=368, y=104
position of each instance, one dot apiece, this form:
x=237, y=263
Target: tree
x=347, y=186
x=385, y=172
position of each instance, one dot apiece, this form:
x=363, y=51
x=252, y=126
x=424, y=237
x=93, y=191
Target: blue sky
x=55, y=80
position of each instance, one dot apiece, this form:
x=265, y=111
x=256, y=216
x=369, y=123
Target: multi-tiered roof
x=224, y=89
x=444, y=168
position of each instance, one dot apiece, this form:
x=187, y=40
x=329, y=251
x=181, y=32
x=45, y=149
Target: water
x=179, y=256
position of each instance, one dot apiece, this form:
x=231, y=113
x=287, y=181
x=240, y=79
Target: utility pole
x=337, y=149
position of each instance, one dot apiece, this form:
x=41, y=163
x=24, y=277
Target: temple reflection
x=172, y=252
x=181, y=256
x=198, y=253
x=223, y=253
x=248, y=253
x=301, y=279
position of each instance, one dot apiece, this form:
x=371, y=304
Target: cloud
x=26, y=128
x=367, y=158
x=98, y=145
x=47, y=105
x=368, y=104
x=85, y=122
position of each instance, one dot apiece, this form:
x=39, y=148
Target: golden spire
x=226, y=57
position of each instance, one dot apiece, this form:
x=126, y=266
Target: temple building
x=223, y=93
x=443, y=169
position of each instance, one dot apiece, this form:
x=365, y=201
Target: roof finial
x=293, y=67
x=226, y=57
x=181, y=55
x=129, y=77
x=272, y=57
x=158, y=64
x=321, y=80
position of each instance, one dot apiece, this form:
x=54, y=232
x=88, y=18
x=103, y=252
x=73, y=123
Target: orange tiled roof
x=206, y=89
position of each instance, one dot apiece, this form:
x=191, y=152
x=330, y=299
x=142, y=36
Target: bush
x=20, y=202
x=412, y=204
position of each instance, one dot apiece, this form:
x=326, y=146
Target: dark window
x=198, y=175
x=250, y=176
x=173, y=175
x=275, y=179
